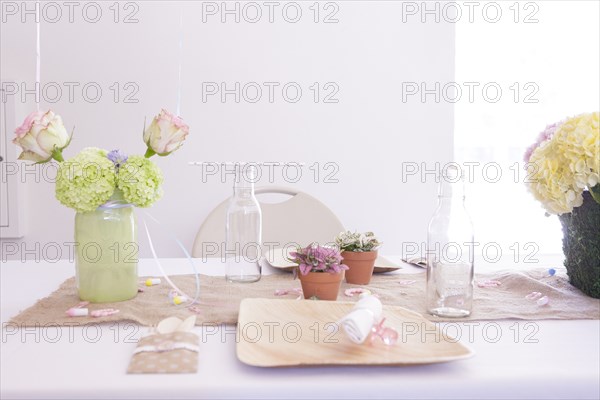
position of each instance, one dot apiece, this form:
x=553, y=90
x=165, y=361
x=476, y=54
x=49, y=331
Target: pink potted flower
x=321, y=271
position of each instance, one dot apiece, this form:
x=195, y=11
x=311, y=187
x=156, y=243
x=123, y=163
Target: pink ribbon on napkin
x=388, y=336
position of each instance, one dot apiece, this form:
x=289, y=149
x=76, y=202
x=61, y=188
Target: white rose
x=165, y=134
x=42, y=136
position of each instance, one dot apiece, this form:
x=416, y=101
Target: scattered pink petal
x=106, y=312
x=354, y=291
x=533, y=296
x=283, y=292
x=195, y=309
x=486, y=284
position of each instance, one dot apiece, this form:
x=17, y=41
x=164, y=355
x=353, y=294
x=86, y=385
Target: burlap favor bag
x=169, y=349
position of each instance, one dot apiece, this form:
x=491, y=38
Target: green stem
x=149, y=153
x=57, y=155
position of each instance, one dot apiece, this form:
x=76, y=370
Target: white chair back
x=301, y=219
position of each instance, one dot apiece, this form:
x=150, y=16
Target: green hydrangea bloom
x=86, y=181
x=140, y=181
x=94, y=151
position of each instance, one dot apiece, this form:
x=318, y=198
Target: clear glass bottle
x=243, y=231
x=450, y=250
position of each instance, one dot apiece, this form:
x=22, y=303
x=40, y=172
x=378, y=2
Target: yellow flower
x=567, y=164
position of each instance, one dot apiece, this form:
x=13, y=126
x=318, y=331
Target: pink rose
x=165, y=134
x=42, y=136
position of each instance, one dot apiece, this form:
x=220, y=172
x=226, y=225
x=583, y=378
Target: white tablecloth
x=514, y=359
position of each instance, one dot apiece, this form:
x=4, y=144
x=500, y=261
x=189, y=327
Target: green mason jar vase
x=107, y=252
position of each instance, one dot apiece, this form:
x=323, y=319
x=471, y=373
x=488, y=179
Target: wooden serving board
x=278, y=333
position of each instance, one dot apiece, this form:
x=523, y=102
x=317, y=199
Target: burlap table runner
x=219, y=300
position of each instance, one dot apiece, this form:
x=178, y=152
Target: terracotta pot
x=323, y=285
x=361, y=266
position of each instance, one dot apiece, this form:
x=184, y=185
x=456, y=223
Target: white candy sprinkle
x=542, y=301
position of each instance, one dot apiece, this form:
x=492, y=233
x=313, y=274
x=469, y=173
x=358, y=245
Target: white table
x=80, y=363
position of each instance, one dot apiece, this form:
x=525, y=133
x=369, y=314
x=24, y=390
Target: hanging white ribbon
x=114, y=204
x=37, y=56
x=180, y=62
x=160, y=267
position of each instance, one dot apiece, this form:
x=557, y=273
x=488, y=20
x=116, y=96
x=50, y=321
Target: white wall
x=368, y=133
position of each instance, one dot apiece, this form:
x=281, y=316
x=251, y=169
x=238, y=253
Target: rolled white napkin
x=359, y=322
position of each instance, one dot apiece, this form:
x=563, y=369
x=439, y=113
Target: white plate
x=278, y=258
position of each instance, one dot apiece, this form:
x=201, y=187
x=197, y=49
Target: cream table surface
x=558, y=360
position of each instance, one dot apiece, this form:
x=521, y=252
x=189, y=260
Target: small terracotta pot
x=323, y=285
x=361, y=264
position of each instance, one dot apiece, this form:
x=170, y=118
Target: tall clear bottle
x=450, y=250
x=243, y=231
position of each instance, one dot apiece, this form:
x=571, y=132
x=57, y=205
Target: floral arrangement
x=90, y=178
x=358, y=242
x=315, y=258
x=564, y=162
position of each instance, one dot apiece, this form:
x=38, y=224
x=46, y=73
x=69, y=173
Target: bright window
x=546, y=70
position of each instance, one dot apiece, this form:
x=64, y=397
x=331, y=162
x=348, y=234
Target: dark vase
x=581, y=245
